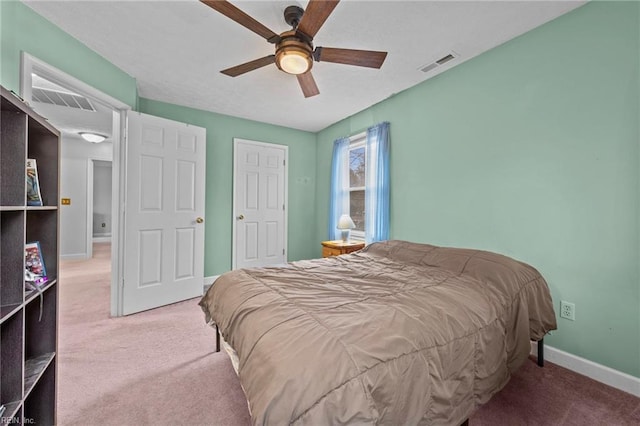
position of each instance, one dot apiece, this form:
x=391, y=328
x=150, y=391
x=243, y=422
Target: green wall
x=221, y=130
x=21, y=29
x=531, y=150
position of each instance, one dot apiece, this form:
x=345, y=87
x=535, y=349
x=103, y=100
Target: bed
x=396, y=333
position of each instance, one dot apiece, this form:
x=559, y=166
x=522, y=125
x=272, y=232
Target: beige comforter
x=396, y=334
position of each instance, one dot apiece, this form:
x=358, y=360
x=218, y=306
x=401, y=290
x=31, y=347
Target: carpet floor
x=159, y=368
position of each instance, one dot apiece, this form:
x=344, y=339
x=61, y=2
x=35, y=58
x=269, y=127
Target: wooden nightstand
x=338, y=247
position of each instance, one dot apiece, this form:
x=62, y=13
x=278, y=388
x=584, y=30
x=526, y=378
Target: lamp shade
x=345, y=222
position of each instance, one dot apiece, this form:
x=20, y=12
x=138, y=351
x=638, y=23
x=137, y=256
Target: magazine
x=34, y=269
x=34, y=198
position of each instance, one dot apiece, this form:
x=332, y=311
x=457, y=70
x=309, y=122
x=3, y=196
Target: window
x=357, y=167
x=360, y=184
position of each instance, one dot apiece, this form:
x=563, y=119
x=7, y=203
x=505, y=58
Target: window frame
x=355, y=142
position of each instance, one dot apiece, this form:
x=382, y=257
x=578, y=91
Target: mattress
x=397, y=333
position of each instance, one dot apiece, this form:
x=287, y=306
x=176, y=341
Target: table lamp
x=346, y=225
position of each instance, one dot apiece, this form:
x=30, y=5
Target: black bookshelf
x=28, y=319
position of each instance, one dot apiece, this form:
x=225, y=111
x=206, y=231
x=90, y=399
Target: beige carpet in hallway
x=154, y=368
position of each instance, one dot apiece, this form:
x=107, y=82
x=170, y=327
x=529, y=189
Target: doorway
x=153, y=160
x=74, y=108
x=99, y=204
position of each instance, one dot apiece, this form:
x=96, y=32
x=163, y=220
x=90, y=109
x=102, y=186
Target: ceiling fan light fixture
x=293, y=61
x=92, y=137
x=293, y=55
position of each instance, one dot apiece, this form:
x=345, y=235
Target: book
x=34, y=268
x=34, y=197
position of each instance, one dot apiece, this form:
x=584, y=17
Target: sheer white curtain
x=376, y=212
x=339, y=196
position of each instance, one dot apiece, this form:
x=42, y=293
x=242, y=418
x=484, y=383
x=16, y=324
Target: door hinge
x=282, y=251
x=284, y=162
x=283, y=207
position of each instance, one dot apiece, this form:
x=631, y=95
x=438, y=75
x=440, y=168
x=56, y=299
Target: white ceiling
x=175, y=49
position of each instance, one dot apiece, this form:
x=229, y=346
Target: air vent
x=429, y=67
x=444, y=60
x=54, y=97
x=439, y=62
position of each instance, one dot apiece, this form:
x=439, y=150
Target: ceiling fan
x=294, y=48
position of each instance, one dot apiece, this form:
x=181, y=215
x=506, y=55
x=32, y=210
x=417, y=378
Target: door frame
x=30, y=63
x=237, y=141
x=90, y=184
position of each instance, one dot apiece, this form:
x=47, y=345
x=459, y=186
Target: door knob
x=199, y=220
x=241, y=217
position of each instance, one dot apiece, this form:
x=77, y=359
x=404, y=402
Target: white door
x=260, y=221
x=164, y=211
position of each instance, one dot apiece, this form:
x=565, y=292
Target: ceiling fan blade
x=249, y=66
x=308, y=84
x=315, y=14
x=361, y=58
x=232, y=12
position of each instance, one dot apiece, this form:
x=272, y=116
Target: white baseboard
x=208, y=281
x=105, y=239
x=76, y=256
x=608, y=376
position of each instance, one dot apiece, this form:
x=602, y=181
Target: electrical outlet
x=567, y=310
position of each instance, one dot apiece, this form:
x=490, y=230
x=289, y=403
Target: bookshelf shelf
x=33, y=369
x=6, y=311
x=30, y=295
x=30, y=208
x=28, y=319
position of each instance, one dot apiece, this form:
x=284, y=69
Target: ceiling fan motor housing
x=293, y=15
